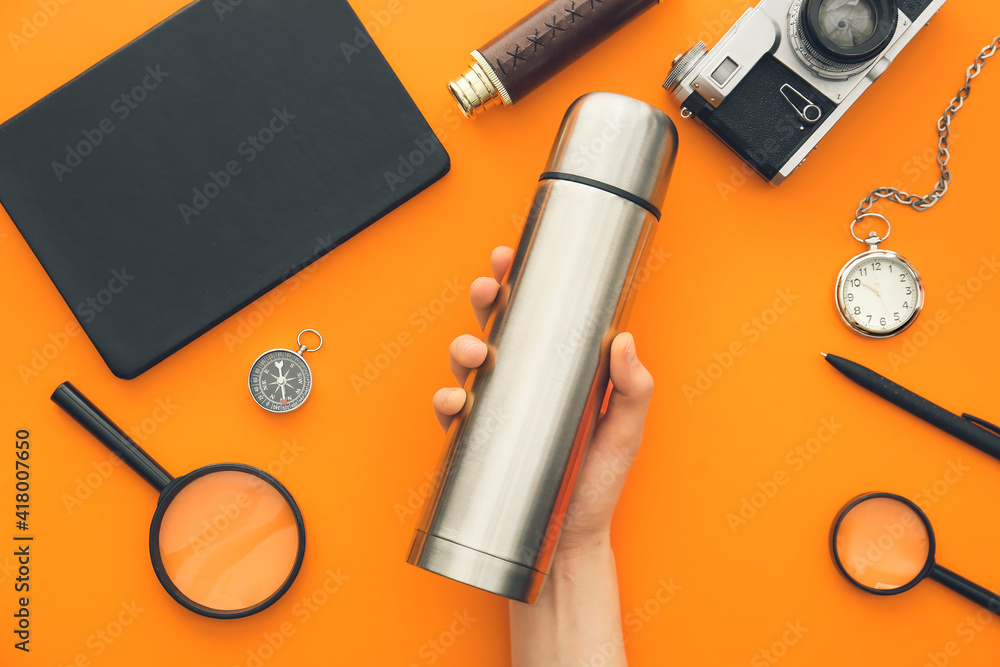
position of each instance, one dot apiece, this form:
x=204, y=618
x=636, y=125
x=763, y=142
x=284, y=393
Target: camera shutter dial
x=683, y=65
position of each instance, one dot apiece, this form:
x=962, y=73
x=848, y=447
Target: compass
x=280, y=380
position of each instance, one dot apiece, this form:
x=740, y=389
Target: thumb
x=619, y=432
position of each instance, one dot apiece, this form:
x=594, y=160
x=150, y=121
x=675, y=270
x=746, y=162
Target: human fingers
x=465, y=353
x=483, y=291
x=619, y=432
x=482, y=294
x=500, y=260
x=447, y=403
x=615, y=444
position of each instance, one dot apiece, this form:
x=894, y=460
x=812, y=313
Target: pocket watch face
x=280, y=380
x=879, y=294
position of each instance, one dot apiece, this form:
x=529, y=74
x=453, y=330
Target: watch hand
x=871, y=288
x=879, y=288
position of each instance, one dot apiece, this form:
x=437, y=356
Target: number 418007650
x=22, y=479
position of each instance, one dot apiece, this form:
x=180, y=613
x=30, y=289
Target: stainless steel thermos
x=507, y=476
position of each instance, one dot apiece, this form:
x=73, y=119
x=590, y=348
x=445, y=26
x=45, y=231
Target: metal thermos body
x=506, y=479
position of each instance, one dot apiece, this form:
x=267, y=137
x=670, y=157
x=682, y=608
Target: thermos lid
x=617, y=141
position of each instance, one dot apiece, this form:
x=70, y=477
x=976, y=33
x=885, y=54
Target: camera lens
x=847, y=23
x=850, y=31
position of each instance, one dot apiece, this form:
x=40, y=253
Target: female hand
x=616, y=440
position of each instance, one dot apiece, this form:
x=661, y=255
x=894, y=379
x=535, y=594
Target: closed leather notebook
x=207, y=161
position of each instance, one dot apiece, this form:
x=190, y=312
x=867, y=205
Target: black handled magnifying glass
x=226, y=541
x=883, y=543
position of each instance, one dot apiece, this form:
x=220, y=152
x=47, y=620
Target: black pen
x=980, y=434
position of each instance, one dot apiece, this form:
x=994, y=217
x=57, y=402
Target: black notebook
x=207, y=161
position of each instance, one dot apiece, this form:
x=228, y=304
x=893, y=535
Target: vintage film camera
x=786, y=72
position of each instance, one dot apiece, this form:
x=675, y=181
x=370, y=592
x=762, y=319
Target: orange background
x=361, y=456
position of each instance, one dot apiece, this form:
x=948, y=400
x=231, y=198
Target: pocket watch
x=879, y=293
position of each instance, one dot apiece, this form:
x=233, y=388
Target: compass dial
x=280, y=380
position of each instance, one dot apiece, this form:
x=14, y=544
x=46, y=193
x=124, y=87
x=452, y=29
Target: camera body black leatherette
x=756, y=122
x=913, y=8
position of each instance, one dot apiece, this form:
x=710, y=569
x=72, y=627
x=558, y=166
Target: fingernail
x=471, y=346
x=630, y=355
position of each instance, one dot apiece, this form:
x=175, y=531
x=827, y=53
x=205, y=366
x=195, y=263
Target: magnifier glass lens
x=882, y=543
x=228, y=540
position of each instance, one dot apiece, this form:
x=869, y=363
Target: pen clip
x=981, y=422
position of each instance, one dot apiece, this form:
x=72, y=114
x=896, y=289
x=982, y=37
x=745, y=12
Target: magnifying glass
x=883, y=543
x=226, y=541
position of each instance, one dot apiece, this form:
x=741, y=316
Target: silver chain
x=944, y=152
